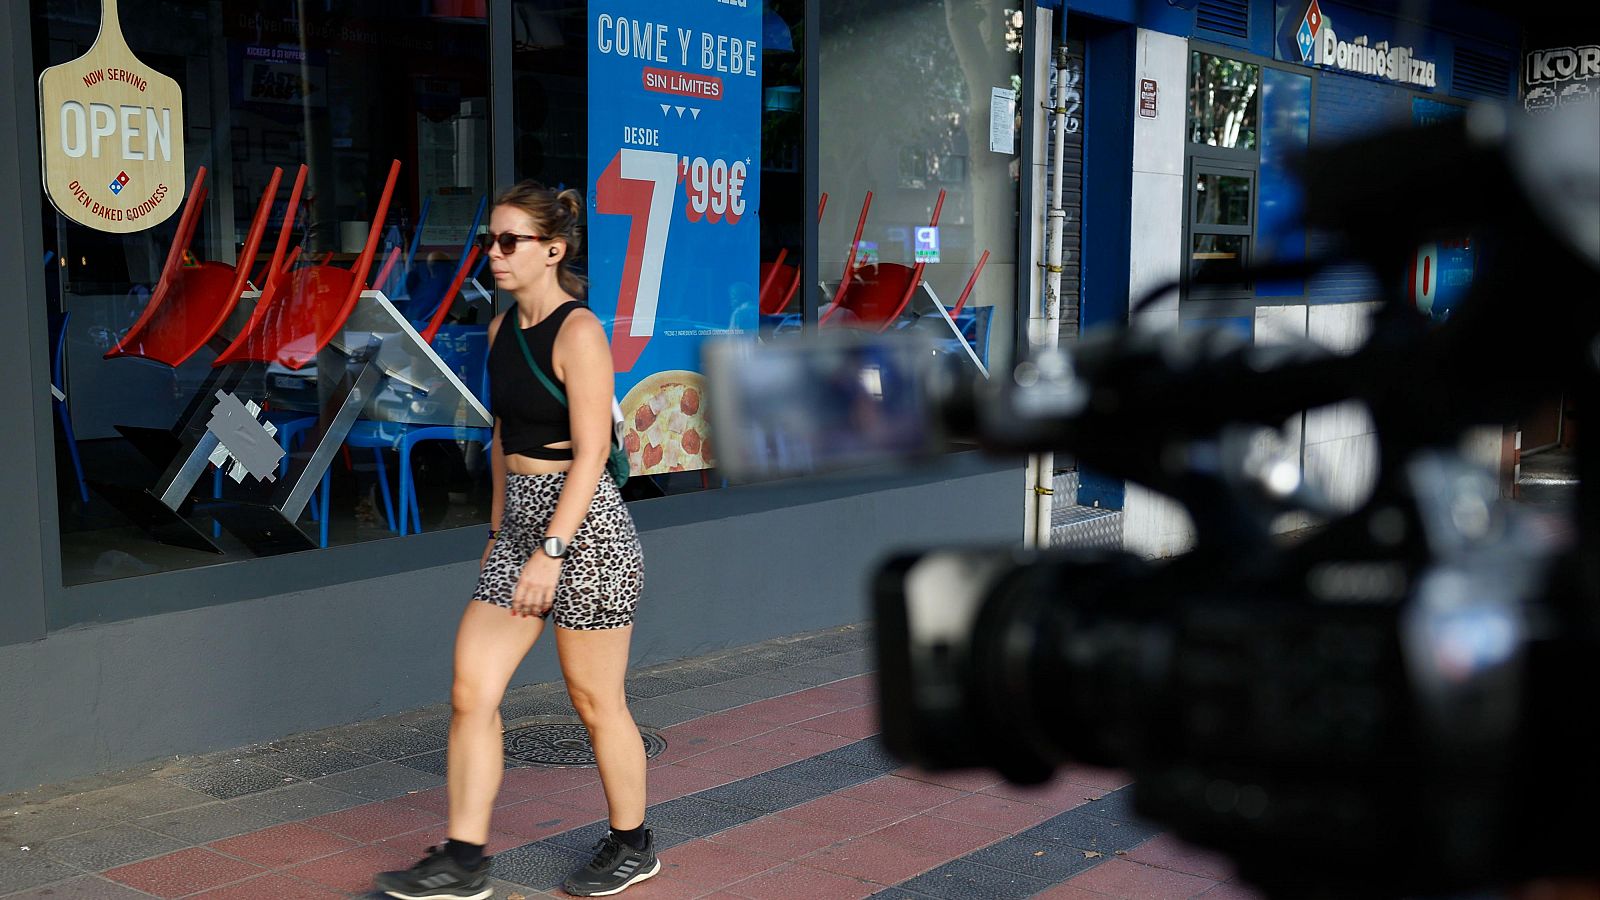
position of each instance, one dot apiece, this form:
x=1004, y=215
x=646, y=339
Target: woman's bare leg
x=490, y=645
x=595, y=664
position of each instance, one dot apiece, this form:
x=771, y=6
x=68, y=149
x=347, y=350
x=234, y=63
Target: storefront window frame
x=32, y=557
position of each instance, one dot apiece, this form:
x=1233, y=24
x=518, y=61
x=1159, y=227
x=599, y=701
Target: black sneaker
x=615, y=866
x=438, y=877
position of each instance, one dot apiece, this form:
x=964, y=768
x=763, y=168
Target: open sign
x=112, y=131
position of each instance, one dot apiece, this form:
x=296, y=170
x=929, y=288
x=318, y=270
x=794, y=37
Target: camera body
x=1397, y=703
x=1373, y=709
x=1308, y=713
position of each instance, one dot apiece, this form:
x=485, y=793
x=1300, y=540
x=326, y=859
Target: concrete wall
x=1341, y=442
x=1151, y=524
x=98, y=698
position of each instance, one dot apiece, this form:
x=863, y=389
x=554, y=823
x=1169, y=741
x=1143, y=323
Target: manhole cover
x=565, y=743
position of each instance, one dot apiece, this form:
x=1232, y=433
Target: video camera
x=1398, y=703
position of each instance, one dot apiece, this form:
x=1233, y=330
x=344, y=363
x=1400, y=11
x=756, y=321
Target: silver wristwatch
x=553, y=547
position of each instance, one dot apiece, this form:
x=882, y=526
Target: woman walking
x=562, y=550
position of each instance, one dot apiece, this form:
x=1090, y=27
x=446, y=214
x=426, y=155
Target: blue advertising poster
x=674, y=187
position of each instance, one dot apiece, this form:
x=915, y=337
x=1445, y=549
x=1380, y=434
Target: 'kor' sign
x=1563, y=64
x=112, y=134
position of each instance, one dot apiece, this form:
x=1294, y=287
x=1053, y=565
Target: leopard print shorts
x=603, y=573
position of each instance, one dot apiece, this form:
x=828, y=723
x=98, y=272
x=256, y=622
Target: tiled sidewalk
x=773, y=785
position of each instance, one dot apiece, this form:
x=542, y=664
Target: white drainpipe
x=1045, y=334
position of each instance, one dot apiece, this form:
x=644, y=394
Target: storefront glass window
x=1222, y=199
x=920, y=165
x=1218, y=259
x=1224, y=102
x=205, y=423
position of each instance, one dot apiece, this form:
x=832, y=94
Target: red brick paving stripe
x=351, y=871
x=660, y=887
x=866, y=685
x=672, y=782
x=855, y=723
x=778, y=837
x=797, y=741
x=724, y=727
x=739, y=760
x=942, y=836
x=853, y=842
x=1167, y=852
x=792, y=881
x=376, y=821
x=854, y=817
x=1230, y=891
x=970, y=780
x=710, y=866
x=1130, y=880
x=537, y=819
x=282, y=845
x=412, y=844
x=682, y=746
x=1058, y=795
x=985, y=811
x=870, y=859
x=271, y=887
x=902, y=793
x=590, y=799
x=183, y=872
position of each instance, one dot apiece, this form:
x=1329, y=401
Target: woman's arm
x=497, y=464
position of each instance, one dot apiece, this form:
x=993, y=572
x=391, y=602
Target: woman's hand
x=536, y=586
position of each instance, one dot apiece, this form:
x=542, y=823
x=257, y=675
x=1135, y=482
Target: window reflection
x=1218, y=261
x=1224, y=99
x=919, y=105
x=1221, y=199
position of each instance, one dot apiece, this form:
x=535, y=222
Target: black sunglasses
x=507, y=240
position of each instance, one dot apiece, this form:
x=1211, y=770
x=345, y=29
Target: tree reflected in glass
x=1223, y=104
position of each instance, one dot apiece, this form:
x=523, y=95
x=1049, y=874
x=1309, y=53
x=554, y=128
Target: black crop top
x=530, y=416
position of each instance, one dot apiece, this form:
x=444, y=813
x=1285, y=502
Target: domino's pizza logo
x=1306, y=37
x=120, y=182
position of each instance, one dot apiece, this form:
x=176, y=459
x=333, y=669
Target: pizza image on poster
x=664, y=423
x=674, y=187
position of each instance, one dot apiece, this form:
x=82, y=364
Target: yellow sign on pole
x=112, y=134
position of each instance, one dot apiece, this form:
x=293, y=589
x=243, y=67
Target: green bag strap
x=528, y=355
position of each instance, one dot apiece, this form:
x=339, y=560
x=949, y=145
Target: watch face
x=554, y=547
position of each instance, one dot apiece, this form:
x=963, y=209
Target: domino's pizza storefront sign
x=1342, y=41
x=112, y=135
x=674, y=185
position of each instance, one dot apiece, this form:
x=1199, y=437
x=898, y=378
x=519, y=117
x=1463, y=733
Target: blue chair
x=58, y=393
x=426, y=286
x=464, y=349
x=290, y=430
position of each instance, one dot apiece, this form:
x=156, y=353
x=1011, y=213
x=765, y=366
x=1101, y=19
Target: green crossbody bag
x=617, y=462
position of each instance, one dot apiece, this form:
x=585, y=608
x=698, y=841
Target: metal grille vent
x=1229, y=17
x=564, y=742
x=1479, y=74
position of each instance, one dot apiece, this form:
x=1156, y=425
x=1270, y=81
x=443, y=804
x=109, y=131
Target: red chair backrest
x=175, y=322
x=301, y=311
x=876, y=295
x=776, y=284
